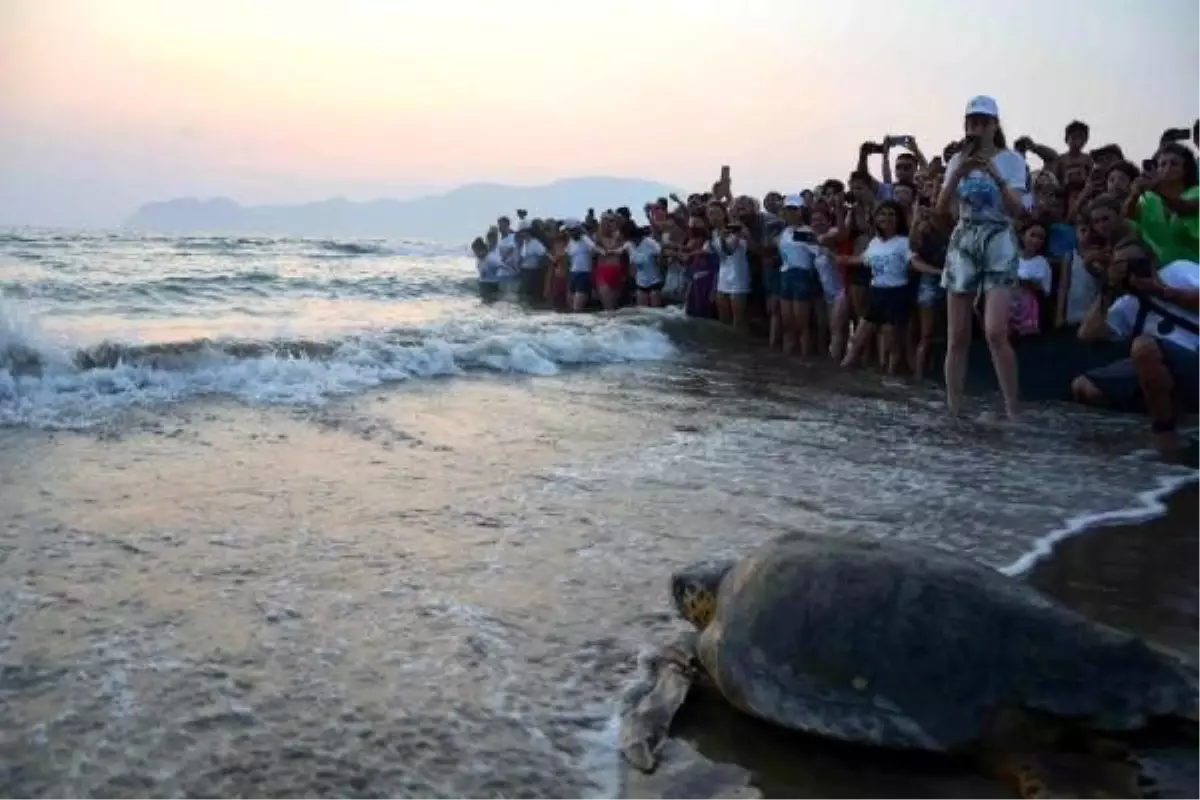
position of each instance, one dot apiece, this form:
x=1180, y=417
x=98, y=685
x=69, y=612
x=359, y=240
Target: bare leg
x=802, y=311
x=958, y=341
x=737, y=306
x=839, y=323
x=997, y=308
x=776, y=331
x=892, y=348
x=723, y=311
x=862, y=337
x=787, y=322
x=924, y=341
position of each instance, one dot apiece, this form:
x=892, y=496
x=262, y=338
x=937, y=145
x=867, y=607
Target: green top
x=1171, y=236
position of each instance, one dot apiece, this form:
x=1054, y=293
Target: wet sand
x=441, y=590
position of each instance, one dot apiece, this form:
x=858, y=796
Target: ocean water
x=304, y=517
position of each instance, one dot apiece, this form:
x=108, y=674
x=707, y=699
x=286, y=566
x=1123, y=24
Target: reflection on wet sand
x=1142, y=578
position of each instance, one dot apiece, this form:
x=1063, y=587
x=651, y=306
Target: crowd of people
x=869, y=270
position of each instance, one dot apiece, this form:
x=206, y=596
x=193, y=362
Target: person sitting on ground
x=1164, y=207
x=1157, y=314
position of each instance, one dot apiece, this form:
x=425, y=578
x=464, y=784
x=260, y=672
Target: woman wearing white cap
x=798, y=281
x=986, y=183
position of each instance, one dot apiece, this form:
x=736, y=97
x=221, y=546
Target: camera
x=522, y=213
x=970, y=145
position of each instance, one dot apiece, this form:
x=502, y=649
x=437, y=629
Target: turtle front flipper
x=649, y=706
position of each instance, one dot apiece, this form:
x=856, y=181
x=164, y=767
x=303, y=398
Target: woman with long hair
x=986, y=183
x=886, y=257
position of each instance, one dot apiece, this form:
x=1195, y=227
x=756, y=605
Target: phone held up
x=803, y=236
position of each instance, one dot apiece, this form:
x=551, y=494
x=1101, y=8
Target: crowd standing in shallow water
x=870, y=270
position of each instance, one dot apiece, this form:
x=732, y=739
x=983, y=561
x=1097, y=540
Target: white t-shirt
x=1036, y=270
x=1122, y=315
x=532, y=253
x=644, y=257
x=733, y=273
x=1081, y=291
x=491, y=268
x=580, y=252
x=888, y=261
x=508, y=250
x=978, y=195
x=793, y=254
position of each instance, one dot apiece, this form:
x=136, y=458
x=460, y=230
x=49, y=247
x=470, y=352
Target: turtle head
x=694, y=590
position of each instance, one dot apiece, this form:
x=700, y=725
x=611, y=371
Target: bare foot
x=1169, y=446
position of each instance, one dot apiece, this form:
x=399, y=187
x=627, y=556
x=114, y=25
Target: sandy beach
x=394, y=595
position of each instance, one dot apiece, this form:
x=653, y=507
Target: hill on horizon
x=459, y=214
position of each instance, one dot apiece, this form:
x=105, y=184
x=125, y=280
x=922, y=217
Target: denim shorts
x=929, y=291
x=981, y=257
x=799, y=285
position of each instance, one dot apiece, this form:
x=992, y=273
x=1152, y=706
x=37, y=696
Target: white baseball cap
x=793, y=201
x=982, y=104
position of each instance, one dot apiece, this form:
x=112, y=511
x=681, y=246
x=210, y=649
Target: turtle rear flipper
x=649, y=706
x=1044, y=775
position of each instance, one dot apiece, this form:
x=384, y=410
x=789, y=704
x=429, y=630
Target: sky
x=106, y=104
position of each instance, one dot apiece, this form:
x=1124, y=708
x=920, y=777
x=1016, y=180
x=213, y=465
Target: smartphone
x=725, y=173
x=970, y=145
x=802, y=236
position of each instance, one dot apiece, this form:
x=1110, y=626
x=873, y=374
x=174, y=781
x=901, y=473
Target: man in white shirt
x=1159, y=318
x=532, y=257
x=507, y=248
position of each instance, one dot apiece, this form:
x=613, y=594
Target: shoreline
x=1151, y=505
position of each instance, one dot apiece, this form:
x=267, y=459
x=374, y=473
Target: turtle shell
x=900, y=645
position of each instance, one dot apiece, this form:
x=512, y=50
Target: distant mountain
x=457, y=215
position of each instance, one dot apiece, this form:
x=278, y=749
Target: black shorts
x=889, y=305
x=654, y=287
x=532, y=283
x=860, y=276
x=1119, y=384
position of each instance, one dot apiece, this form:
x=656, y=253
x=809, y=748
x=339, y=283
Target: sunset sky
x=105, y=104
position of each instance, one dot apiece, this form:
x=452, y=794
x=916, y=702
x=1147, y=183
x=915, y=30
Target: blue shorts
x=580, y=283
x=799, y=285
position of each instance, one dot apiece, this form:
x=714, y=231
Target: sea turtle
x=898, y=645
